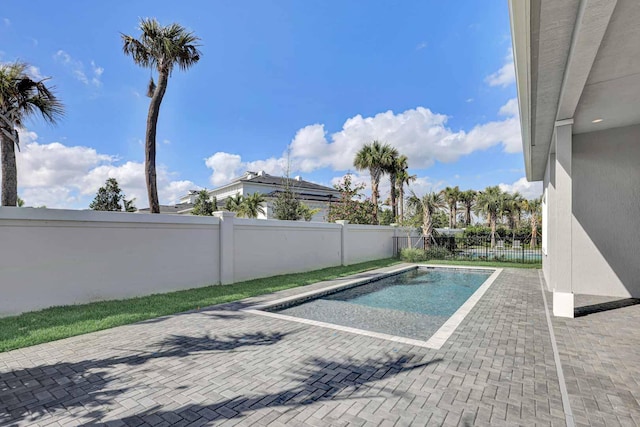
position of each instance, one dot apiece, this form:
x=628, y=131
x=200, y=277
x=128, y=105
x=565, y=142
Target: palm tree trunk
x=534, y=233
x=401, y=203
x=427, y=227
x=455, y=217
x=394, y=202
x=468, y=215
x=374, y=199
x=493, y=230
x=9, y=170
x=150, y=141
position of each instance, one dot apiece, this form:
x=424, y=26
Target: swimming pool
x=412, y=304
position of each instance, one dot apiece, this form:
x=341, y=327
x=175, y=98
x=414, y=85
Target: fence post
x=226, y=247
x=344, y=259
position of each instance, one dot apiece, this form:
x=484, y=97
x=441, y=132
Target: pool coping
x=436, y=341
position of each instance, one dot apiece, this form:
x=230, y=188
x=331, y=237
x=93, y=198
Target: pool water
x=434, y=292
x=412, y=304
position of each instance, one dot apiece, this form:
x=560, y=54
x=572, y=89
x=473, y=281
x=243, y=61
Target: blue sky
x=321, y=78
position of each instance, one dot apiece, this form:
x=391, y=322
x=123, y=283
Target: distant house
x=315, y=196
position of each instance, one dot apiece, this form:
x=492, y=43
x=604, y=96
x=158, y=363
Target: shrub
x=419, y=255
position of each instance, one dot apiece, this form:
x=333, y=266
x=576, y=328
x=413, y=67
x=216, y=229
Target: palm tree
x=252, y=205
x=234, y=203
x=159, y=48
x=534, y=209
x=20, y=98
x=427, y=206
x=452, y=196
x=403, y=178
x=468, y=200
x=491, y=203
x=391, y=167
x=374, y=157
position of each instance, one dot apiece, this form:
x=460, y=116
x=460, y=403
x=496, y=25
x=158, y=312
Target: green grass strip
x=55, y=323
x=484, y=263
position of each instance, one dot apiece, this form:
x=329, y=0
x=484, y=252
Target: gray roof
x=170, y=209
x=297, y=184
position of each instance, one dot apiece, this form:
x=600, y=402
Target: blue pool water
x=414, y=304
x=436, y=292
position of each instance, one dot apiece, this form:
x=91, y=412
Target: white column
x=563, y=300
x=343, y=242
x=226, y=246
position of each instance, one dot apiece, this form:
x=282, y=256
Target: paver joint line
x=556, y=357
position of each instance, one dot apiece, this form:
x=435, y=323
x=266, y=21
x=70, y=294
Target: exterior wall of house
x=606, y=208
x=60, y=257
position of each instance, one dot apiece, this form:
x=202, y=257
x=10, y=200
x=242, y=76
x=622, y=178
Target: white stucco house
x=578, y=79
x=315, y=196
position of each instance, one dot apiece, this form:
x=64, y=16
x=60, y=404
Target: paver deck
x=222, y=366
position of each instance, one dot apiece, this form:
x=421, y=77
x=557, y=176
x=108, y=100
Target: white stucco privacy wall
x=265, y=248
x=58, y=257
x=367, y=242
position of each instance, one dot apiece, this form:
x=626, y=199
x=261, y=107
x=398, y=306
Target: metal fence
x=516, y=249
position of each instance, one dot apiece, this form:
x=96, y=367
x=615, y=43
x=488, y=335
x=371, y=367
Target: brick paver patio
x=222, y=366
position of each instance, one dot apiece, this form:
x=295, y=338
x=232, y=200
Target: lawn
x=61, y=322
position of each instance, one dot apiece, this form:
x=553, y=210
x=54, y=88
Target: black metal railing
x=510, y=248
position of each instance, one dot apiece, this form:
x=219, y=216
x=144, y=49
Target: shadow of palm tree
x=321, y=380
x=32, y=392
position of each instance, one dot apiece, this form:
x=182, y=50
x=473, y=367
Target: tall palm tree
x=427, y=206
x=402, y=178
x=252, y=205
x=375, y=158
x=234, y=203
x=534, y=209
x=491, y=203
x=513, y=210
x=159, y=48
x=468, y=200
x=20, y=98
x=452, y=197
x=392, y=169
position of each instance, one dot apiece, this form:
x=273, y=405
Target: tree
x=391, y=167
x=468, y=199
x=374, y=157
x=129, y=205
x=20, y=98
x=286, y=206
x=20, y=202
x=252, y=205
x=452, y=197
x=350, y=207
x=109, y=197
x=306, y=212
x=491, y=203
x=204, y=205
x=534, y=209
x=234, y=203
x=427, y=206
x=402, y=178
x=159, y=48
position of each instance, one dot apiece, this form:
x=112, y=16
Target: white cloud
x=510, y=109
x=469, y=100
x=530, y=190
x=78, y=69
x=506, y=75
x=7, y=22
x=62, y=176
x=418, y=133
x=34, y=72
x=421, y=45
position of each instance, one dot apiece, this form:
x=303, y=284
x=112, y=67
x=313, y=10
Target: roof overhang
x=555, y=45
